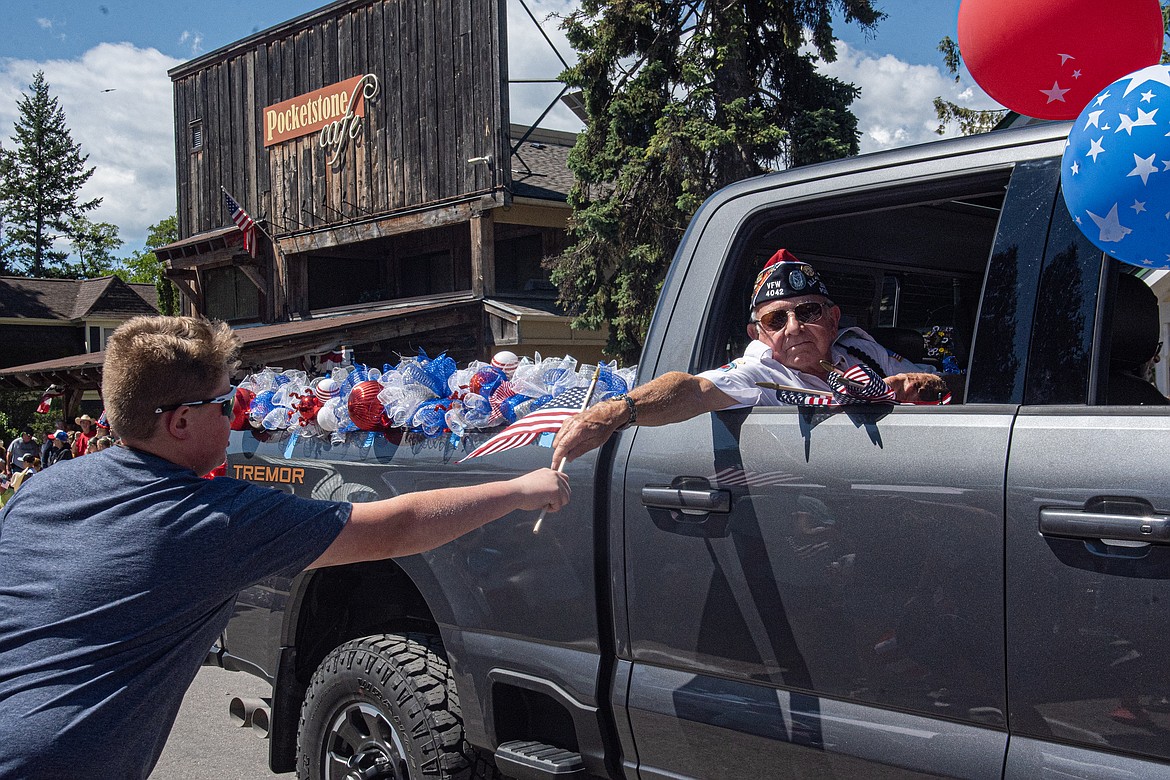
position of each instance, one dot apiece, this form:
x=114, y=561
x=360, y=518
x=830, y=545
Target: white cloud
x=127, y=132
x=531, y=57
x=129, y=136
x=192, y=40
x=896, y=107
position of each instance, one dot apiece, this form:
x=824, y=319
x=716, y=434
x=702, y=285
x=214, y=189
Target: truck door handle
x=688, y=501
x=1153, y=529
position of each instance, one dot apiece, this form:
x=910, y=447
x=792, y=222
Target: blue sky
x=40, y=30
x=910, y=32
x=87, y=48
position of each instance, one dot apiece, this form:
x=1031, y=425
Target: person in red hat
x=796, y=343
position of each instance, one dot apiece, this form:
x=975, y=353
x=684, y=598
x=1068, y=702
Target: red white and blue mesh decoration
x=430, y=397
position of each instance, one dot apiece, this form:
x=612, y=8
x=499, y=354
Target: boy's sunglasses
x=227, y=402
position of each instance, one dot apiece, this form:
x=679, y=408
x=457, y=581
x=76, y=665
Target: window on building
x=426, y=274
x=98, y=337
x=197, y=135
x=346, y=281
x=518, y=270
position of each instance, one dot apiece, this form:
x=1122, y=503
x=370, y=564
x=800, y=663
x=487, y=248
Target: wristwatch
x=633, y=418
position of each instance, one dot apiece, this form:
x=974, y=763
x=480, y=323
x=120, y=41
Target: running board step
x=527, y=760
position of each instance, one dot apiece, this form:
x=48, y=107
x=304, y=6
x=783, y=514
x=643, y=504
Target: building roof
x=72, y=300
x=273, y=344
x=198, y=244
x=540, y=165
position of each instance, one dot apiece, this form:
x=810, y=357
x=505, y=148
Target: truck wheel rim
x=361, y=744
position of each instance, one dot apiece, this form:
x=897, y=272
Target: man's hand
x=542, y=489
x=917, y=388
x=587, y=431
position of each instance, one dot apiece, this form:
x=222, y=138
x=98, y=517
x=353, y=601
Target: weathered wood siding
x=441, y=69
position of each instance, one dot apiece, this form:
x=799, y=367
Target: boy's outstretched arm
x=417, y=522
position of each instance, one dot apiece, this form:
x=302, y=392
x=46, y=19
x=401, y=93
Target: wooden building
x=396, y=206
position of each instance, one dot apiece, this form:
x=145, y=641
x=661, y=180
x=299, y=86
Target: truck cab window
x=906, y=265
x=1134, y=345
x=1098, y=326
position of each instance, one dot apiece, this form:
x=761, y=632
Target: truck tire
x=385, y=708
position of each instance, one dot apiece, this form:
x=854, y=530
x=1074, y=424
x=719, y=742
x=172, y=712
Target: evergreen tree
x=40, y=180
x=4, y=265
x=144, y=267
x=682, y=98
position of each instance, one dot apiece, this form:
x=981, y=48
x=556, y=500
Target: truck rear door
x=1088, y=550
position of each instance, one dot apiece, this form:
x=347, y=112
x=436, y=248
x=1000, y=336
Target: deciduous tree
x=144, y=267
x=94, y=244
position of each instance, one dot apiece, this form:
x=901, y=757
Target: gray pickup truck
x=976, y=590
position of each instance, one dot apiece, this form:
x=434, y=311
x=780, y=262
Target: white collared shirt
x=738, y=378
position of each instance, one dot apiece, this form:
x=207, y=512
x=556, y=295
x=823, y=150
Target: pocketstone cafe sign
x=332, y=112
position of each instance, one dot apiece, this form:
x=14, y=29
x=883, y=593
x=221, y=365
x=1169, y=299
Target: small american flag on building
x=530, y=427
x=245, y=223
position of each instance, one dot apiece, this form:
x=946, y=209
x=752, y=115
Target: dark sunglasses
x=805, y=313
x=227, y=403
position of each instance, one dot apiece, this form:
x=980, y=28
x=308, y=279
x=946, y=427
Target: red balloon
x=365, y=409
x=1048, y=58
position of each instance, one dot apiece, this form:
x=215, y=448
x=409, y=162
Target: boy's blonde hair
x=158, y=361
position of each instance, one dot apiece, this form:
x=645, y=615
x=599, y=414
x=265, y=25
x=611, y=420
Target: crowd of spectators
x=24, y=456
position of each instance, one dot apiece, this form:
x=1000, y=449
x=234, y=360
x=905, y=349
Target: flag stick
x=791, y=389
x=561, y=466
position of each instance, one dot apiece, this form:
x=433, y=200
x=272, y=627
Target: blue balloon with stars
x=1116, y=169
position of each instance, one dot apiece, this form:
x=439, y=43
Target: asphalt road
x=204, y=743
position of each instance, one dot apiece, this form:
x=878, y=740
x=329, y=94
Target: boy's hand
x=542, y=489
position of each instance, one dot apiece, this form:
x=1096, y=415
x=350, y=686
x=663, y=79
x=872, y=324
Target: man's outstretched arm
x=417, y=522
x=670, y=398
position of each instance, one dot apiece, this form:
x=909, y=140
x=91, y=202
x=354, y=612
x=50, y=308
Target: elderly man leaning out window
x=796, y=343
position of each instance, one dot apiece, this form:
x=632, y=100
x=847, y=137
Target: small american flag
x=245, y=223
x=857, y=385
x=797, y=398
x=527, y=429
x=499, y=395
x=860, y=384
